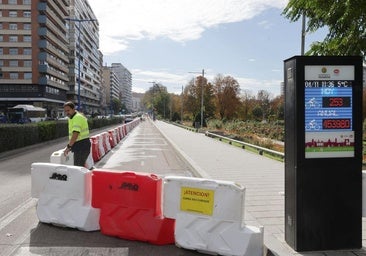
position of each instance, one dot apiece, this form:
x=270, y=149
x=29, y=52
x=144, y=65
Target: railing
x=260, y=150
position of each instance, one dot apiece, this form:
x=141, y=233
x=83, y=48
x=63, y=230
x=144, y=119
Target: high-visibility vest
x=79, y=123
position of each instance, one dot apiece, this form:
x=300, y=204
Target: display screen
x=336, y=102
x=328, y=111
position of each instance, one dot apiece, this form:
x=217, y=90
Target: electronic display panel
x=328, y=125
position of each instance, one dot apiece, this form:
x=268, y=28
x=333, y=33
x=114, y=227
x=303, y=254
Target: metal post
x=181, y=109
x=78, y=52
x=303, y=35
x=79, y=65
x=203, y=76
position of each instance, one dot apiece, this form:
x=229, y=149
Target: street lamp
x=303, y=33
x=203, y=76
x=79, y=51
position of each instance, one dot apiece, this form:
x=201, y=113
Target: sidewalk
x=262, y=177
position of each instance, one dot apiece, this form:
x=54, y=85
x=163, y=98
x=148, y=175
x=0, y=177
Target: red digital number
x=336, y=124
x=335, y=102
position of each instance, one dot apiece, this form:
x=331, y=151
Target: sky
x=171, y=41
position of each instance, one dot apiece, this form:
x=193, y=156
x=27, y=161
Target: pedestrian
x=79, y=142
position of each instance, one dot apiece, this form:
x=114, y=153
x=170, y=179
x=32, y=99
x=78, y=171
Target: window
x=27, y=63
x=13, y=26
x=13, y=51
x=13, y=38
x=1, y=63
x=26, y=14
x=27, y=38
x=12, y=1
x=1, y=51
x=1, y=38
x=14, y=75
x=27, y=51
x=27, y=75
x=13, y=14
x=1, y=26
x=13, y=63
x=27, y=2
x=27, y=26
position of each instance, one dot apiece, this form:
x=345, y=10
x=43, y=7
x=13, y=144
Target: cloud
x=181, y=21
x=174, y=82
x=255, y=85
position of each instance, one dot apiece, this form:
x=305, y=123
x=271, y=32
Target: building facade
x=49, y=53
x=125, y=78
x=84, y=68
x=112, y=87
x=33, y=54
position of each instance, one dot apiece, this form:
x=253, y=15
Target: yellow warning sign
x=197, y=200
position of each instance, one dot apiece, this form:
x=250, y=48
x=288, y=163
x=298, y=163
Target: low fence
x=260, y=150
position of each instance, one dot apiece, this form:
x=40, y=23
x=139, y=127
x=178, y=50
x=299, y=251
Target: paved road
x=263, y=179
x=145, y=149
x=21, y=234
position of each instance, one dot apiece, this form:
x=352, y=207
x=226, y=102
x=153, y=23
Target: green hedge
x=13, y=136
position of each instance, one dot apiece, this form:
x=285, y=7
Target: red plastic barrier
x=131, y=207
x=95, y=148
x=106, y=143
x=119, y=129
x=118, y=137
x=124, y=130
x=112, y=139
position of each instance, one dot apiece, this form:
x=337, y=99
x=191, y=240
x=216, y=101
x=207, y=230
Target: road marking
x=16, y=212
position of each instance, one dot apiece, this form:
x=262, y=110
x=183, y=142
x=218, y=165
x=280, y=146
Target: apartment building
x=33, y=54
x=49, y=53
x=112, y=87
x=84, y=55
x=125, y=78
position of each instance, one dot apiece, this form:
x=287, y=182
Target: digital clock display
x=336, y=102
x=329, y=124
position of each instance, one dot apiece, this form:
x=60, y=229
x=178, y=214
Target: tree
x=193, y=95
x=226, y=90
x=277, y=108
x=157, y=98
x=247, y=103
x=345, y=20
x=263, y=98
x=116, y=106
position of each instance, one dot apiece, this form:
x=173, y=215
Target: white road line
x=16, y=212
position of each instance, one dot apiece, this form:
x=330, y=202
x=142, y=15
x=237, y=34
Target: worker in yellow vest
x=79, y=142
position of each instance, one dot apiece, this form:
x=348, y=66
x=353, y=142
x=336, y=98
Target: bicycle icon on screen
x=312, y=103
x=312, y=125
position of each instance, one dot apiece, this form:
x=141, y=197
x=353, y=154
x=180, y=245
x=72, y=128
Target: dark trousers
x=81, y=151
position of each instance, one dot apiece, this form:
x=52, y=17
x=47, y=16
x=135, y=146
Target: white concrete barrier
x=212, y=236
x=64, y=194
x=205, y=196
x=58, y=157
x=209, y=216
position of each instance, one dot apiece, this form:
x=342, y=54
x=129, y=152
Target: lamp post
x=203, y=76
x=303, y=33
x=181, y=109
x=79, y=51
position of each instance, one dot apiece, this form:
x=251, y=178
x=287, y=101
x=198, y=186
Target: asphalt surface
x=159, y=148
